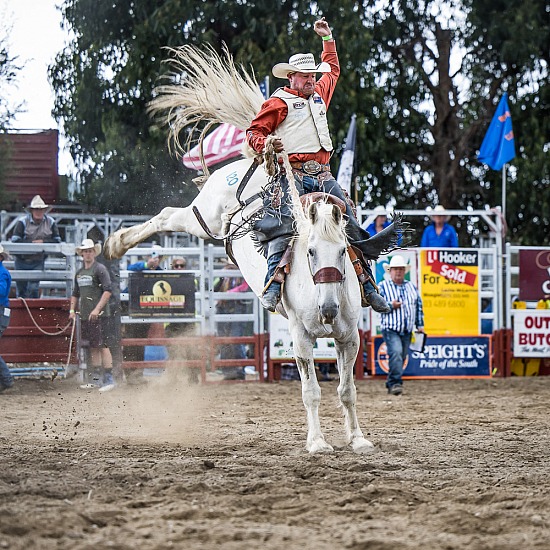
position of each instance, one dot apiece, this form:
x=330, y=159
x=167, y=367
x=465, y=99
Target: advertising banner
x=161, y=294
x=532, y=333
x=443, y=357
x=280, y=342
x=534, y=274
x=449, y=286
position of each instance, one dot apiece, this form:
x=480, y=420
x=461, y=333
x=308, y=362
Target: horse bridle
x=325, y=274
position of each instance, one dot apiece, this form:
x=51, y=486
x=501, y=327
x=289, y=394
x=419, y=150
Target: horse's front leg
x=346, y=354
x=311, y=391
x=169, y=219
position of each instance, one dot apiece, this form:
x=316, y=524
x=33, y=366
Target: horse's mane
x=326, y=225
x=204, y=88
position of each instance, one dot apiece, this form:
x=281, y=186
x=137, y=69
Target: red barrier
x=502, y=352
x=23, y=342
x=204, y=356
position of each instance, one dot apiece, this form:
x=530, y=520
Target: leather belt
x=311, y=167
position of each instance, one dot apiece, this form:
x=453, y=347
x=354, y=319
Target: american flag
x=223, y=143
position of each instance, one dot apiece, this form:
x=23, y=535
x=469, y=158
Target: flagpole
x=504, y=192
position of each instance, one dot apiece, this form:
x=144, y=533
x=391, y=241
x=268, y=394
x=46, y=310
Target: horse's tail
x=391, y=237
x=205, y=87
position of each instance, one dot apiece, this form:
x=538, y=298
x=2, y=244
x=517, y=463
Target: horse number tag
x=232, y=178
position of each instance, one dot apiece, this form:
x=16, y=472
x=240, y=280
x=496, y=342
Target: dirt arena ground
x=459, y=464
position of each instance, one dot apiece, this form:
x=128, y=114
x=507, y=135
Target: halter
x=325, y=274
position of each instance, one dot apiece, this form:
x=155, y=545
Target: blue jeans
x=398, y=349
x=6, y=379
x=28, y=289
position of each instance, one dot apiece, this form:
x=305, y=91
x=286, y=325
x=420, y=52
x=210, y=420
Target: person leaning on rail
x=34, y=227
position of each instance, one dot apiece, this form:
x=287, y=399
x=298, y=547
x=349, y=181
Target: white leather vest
x=305, y=129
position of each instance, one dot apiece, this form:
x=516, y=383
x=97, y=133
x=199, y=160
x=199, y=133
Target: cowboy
x=92, y=291
x=439, y=234
x=397, y=325
x=297, y=114
x=34, y=227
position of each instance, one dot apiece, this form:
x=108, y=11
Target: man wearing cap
x=297, y=114
x=439, y=234
x=34, y=227
x=398, y=324
x=6, y=379
x=92, y=288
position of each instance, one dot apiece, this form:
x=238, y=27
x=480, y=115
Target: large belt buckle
x=312, y=167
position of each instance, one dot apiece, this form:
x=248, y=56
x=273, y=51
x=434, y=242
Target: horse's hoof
x=362, y=446
x=112, y=250
x=319, y=446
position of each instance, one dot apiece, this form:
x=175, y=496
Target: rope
x=39, y=328
x=70, y=347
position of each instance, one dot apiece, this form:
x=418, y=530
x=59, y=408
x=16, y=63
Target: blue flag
x=345, y=171
x=498, y=145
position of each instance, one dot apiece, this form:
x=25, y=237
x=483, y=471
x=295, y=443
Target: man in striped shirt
x=398, y=324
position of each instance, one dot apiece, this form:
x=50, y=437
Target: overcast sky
x=35, y=38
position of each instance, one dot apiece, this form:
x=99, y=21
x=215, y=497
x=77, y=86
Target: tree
x=8, y=111
x=421, y=114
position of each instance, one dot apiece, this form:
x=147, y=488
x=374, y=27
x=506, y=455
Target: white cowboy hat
x=397, y=261
x=86, y=245
x=37, y=203
x=439, y=210
x=300, y=63
x=378, y=211
x=4, y=253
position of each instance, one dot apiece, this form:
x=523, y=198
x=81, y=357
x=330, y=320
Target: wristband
x=71, y=310
x=329, y=37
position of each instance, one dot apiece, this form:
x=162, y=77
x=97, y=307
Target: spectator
x=6, y=379
x=439, y=234
x=377, y=221
x=92, y=290
x=34, y=227
x=397, y=325
x=179, y=263
x=152, y=262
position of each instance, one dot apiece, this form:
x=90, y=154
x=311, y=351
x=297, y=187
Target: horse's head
x=326, y=252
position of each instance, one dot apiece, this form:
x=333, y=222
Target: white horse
x=321, y=295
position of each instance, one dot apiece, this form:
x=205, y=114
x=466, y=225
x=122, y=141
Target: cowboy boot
x=272, y=290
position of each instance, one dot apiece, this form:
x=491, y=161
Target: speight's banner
x=443, y=357
x=160, y=294
x=449, y=284
x=532, y=333
x=534, y=274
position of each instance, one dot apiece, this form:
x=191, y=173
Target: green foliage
x=8, y=77
x=421, y=115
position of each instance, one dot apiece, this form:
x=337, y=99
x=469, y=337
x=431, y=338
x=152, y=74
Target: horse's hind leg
x=169, y=219
x=347, y=352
